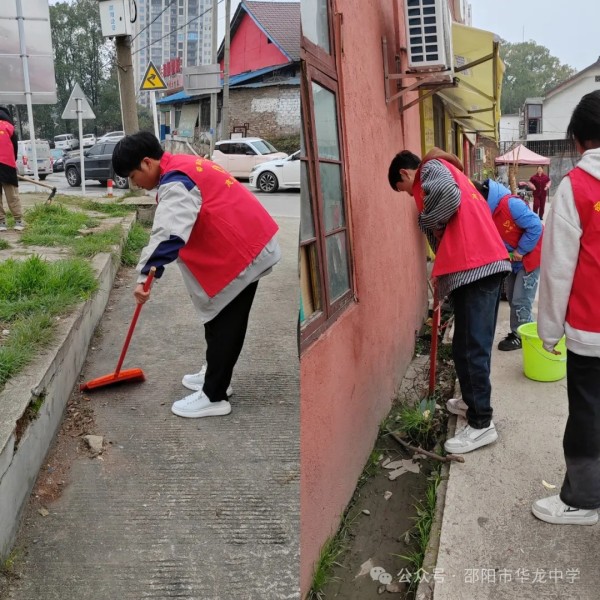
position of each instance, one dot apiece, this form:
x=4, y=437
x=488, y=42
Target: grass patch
x=422, y=529
x=57, y=226
x=4, y=245
x=32, y=293
x=137, y=239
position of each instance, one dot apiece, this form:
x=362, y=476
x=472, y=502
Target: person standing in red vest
x=223, y=240
x=568, y=305
x=9, y=184
x=521, y=231
x=541, y=184
x=470, y=264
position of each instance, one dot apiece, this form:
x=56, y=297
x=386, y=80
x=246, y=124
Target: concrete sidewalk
x=491, y=546
x=180, y=508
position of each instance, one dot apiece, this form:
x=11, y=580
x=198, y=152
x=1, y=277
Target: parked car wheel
x=267, y=182
x=42, y=177
x=73, y=177
x=121, y=183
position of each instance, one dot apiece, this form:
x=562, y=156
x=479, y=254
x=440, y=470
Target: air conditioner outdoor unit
x=429, y=35
x=480, y=154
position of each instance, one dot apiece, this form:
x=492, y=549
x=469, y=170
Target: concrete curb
x=24, y=444
x=426, y=587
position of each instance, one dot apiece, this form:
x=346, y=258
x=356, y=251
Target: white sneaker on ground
x=554, y=510
x=19, y=226
x=469, y=439
x=195, y=381
x=2, y=226
x=198, y=405
x=457, y=406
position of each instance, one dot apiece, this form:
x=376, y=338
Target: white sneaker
x=195, y=381
x=2, y=226
x=469, y=439
x=198, y=405
x=554, y=510
x=19, y=226
x=457, y=406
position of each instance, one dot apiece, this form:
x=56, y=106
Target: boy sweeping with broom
x=224, y=242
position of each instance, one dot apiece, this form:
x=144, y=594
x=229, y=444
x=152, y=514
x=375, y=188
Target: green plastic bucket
x=538, y=364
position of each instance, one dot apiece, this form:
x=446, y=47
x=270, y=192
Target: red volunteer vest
x=7, y=150
x=582, y=310
x=232, y=229
x=470, y=239
x=511, y=233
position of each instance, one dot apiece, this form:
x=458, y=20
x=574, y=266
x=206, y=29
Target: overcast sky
x=570, y=29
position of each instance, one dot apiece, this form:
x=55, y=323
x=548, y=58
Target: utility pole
x=126, y=84
x=213, y=97
x=225, y=110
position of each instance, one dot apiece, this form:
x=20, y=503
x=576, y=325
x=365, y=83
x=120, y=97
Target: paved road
x=285, y=203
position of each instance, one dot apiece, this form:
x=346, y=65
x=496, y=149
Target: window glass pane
x=315, y=22
x=325, y=112
x=307, y=226
x=534, y=110
x=337, y=265
x=333, y=201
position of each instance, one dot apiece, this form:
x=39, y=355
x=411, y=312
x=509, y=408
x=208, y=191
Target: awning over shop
x=522, y=156
x=176, y=98
x=478, y=71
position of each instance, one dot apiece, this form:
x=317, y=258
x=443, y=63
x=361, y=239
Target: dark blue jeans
x=475, y=314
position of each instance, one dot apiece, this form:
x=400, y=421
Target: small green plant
x=137, y=239
x=328, y=558
x=416, y=423
x=421, y=531
x=4, y=245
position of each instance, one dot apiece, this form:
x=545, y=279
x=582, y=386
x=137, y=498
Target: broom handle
x=136, y=314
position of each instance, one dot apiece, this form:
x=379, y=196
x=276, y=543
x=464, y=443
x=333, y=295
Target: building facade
x=165, y=30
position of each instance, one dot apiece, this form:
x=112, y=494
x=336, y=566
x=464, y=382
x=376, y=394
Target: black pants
x=225, y=336
x=581, y=443
x=475, y=314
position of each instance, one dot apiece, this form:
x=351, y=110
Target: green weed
x=137, y=239
x=4, y=245
x=416, y=423
x=32, y=293
x=421, y=531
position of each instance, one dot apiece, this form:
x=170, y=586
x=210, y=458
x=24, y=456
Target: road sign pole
x=155, y=114
x=81, y=156
x=23, y=48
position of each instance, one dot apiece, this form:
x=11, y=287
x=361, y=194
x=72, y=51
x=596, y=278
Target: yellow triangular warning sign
x=152, y=79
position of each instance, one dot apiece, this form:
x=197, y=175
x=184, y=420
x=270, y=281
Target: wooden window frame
x=320, y=67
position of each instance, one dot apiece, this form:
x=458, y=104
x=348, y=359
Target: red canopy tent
x=522, y=156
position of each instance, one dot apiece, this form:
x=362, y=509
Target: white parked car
x=89, y=139
x=111, y=136
x=238, y=156
x=274, y=174
x=66, y=141
x=25, y=158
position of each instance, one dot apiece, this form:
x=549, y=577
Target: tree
x=530, y=72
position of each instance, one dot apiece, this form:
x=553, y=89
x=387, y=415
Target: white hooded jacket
x=560, y=253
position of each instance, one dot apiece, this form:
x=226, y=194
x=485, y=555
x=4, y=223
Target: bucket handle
x=546, y=354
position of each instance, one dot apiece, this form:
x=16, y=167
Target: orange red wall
x=251, y=50
x=350, y=374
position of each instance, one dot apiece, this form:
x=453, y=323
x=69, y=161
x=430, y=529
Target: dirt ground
x=380, y=538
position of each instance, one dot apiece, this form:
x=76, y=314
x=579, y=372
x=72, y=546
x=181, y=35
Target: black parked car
x=98, y=165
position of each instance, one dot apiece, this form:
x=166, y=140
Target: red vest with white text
x=232, y=228
x=7, y=150
x=582, y=310
x=470, y=239
x=511, y=233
